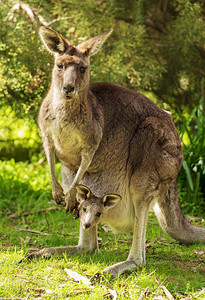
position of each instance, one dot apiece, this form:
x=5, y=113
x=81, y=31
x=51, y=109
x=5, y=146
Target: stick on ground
x=167, y=293
x=15, y=216
x=32, y=231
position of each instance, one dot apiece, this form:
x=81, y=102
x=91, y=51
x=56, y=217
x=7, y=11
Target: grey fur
x=113, y=140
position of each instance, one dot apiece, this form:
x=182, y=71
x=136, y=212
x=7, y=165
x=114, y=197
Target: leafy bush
x=155, y=46
x=192, y=176
x=19, y=137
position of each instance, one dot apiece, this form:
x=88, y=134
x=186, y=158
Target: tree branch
x=32, y=14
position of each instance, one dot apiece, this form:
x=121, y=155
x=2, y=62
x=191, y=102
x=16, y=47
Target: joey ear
x=53, y=41
x=111, y=200
x=93, y=45
x=82, y=193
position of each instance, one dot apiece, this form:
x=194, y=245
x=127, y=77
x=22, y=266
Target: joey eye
x=98, y=214
x=82, y=70
x=84, y=209
x=60, y=67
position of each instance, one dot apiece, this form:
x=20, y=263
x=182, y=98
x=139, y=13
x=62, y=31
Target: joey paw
x=76, y=213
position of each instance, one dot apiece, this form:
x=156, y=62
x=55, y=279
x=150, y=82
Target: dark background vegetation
x=157, y=47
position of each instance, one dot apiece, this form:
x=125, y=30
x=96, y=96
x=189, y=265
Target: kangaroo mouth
x=70, y=95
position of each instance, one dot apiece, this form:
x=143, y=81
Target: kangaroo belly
x=121, y=218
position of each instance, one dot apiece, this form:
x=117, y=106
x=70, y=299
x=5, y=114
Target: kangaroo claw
x=96, y=277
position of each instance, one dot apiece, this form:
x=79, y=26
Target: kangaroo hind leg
x=136, y=255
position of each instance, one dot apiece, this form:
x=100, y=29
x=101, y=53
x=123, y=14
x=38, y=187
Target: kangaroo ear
x=111, y=200
x=93, y=45
x=83, y=193
x=53, y=41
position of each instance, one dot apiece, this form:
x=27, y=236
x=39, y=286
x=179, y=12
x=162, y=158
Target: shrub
x=192, y=175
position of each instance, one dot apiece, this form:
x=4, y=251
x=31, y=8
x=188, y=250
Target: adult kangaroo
x=112, y=140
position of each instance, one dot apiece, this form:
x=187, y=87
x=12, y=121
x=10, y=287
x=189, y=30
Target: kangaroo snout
x=68, y=89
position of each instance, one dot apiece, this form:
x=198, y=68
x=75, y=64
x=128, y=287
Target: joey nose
x=68, y=89
x=87, y=225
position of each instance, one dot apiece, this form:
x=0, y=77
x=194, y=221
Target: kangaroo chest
x=68, y=141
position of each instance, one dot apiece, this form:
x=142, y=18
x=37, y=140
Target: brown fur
x=110, y=139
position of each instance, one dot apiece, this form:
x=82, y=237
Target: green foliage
x=23, y=68
x=192, y=176
x=22, y=189
x=154, y=47
x=19, y=137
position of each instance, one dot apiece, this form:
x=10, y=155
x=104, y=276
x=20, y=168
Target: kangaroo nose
x=68, y=89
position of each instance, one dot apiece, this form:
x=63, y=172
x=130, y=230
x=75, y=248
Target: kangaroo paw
x=70, y=202
x=58, y=195
x=59, y=199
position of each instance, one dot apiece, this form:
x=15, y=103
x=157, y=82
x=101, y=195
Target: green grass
x=26, y=188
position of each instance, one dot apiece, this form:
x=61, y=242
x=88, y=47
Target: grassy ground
x=25, y=189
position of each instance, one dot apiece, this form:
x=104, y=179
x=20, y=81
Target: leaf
x=78, y=277
x=187, y=171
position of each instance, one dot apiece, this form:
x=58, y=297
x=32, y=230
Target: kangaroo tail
x=173, y=222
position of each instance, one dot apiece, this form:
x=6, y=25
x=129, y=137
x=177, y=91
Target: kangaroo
x=113, y=140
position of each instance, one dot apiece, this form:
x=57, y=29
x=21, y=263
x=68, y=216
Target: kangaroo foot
x=119, y=268
x=31, y=256
x=48, y=252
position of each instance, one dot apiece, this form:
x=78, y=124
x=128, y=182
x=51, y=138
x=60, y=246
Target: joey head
x=92, y=208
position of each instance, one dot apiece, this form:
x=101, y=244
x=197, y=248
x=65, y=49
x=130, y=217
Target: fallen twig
x=167, y=293
x=151, y=242
x=78, y=292
x=23, y=279
x=143, y=294
x=15, y=216
x=32, y=231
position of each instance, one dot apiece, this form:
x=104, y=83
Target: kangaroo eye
x=84, y=209
x=60, y=67
x=98, y=214
x=82, y=69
